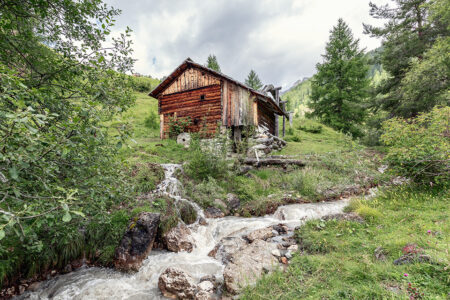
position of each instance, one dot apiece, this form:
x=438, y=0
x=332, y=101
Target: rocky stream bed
x=212, y=258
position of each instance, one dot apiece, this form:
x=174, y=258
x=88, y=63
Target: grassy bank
x=337, y=258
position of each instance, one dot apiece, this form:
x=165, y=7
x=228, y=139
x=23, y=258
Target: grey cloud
x=281, y=40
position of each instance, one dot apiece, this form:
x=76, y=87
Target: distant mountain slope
x=298, y=96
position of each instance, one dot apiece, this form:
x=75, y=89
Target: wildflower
x=429, y=231
x=406, y=274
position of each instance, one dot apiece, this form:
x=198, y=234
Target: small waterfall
x=171, y=187
x=102, y=283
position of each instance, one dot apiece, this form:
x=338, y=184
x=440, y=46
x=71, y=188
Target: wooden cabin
x=212, y=100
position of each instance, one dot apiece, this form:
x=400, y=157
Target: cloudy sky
x=281, y=40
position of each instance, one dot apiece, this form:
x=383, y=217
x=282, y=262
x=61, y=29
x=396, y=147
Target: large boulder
x=248, y=264
x=177, y=284
x=226, y=247
x=179, y=239
x=137, y=242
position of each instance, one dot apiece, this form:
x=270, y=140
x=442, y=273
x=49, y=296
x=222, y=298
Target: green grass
x=328, y=140
x=144, y=145
x=338, y=262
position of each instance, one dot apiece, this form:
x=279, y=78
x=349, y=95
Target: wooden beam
x=273, y=162
x=161, y=126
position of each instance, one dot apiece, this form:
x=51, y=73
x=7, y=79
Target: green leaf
x=2, y=234
x=13, y=173
x=67, y=217
x=79, y=213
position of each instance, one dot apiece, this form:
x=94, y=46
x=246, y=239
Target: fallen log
x=273, y=162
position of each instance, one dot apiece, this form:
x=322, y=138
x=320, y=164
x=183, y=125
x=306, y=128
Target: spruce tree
x=253, y=80
x=212, y=63
x=340, y=86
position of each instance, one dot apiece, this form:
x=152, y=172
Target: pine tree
x=340, y=86
x=212, y=63
x=408, y=33
x=253, y=80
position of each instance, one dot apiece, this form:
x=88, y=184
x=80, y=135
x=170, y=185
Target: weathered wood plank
x=273, y=162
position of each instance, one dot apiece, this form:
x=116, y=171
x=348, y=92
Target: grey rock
x=248, y=264
x=179, y=239
x=227, y=246
x=176, y=284
x=380, y=254
x=214, y=212
x=412, y=258
x=293, y=248
x=288, y=255
x=276, y=252
x=233, y=202
x=137, y=242
x=260, y=234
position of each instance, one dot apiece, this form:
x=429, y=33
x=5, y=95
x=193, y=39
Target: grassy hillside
x=307, y=136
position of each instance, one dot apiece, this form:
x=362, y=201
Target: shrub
x=145, y=177
x=294, y=138
x=311, y=128
x=206, y=163
x=151, y=121
x=368, y=213
x=419, y=147
x=290, y=131
x=142, y=84
x=205, y=192
x=187, y=212
x=178, y=125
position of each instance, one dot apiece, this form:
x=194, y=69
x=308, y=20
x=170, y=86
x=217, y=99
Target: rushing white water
x=102, y=283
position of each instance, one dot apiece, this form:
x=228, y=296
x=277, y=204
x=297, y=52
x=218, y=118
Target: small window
x=202, y=97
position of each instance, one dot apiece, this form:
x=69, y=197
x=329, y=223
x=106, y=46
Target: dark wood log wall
x=203, y=113
x=266, y=117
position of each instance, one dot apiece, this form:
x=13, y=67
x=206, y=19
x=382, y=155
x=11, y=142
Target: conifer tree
x=340, y=86
x=411, y=28
x=212, y=63
x=253, y=80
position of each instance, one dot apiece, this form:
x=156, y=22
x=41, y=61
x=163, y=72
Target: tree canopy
x=212, y=63
x=412, y=27
x=253, y=80
x=340, y=86
x=60, y=80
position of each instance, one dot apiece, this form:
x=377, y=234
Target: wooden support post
x=161, y=126
x=277, y=100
